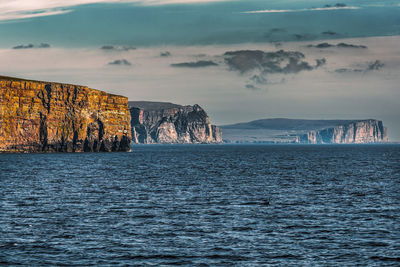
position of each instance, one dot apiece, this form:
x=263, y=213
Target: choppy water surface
x=203, y=205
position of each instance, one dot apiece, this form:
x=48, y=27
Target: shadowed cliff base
x=307, y=131
x=40, y=116
x=168, y=123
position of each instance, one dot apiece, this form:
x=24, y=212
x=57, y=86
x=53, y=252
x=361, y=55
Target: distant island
x=280, y=130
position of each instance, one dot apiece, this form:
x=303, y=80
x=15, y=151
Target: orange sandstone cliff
x=53, y=117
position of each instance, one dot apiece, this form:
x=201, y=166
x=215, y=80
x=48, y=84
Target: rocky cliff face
x=357, y=132
x=168, y=123
x=52, y=117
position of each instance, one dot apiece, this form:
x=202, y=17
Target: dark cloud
x=336, y=5
x=197, y=64
x=375, y=65
x=370, y=66
x=344, y=45
x=29, y=46
x=117, y=48
x=268, y=62
x=252, y=87
x=320, y=62
x=322, y=45
x=44, y=45
x=259, y=79
x=24, y=46
x=260, y=64
x=121, y=62
x=329, y=33
x=165, y=54
x=107, y=47
x=340, y=45
x=346, y=70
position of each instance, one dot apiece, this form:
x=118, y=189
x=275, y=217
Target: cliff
x=167, y=123
x=357, y=132
x=40, y=116
x=281, y=130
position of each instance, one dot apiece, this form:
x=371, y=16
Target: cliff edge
x=167, y=123
x=356, y=132
x=38, y=116
x=281, y=130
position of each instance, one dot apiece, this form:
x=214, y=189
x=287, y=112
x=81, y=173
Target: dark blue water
x=203, y=205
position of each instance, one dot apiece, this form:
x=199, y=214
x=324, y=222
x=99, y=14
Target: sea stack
x=38, y=116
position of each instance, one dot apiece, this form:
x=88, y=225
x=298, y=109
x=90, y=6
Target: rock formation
x=53, y=117
x=357, y=132
x=167, y=123
x=281, y=130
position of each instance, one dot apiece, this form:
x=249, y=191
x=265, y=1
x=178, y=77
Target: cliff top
x=149, y=105
x=15, y=79
x=289, y=124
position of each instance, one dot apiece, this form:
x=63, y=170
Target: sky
x=240, y=60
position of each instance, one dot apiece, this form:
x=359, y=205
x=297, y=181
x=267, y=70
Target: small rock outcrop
x=53, y=117
x=357, y=132
x=167, y=123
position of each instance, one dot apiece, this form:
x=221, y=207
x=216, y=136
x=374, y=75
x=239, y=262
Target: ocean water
x=203, y=205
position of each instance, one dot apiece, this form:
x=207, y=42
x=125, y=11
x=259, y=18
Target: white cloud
x=300, y=10
x=22, y=9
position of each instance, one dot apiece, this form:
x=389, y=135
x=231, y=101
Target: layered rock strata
x=53, y=117
x=357, y=132
x=280, y=130
x=167, y=123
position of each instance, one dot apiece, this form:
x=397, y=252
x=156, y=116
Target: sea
x=203, y=205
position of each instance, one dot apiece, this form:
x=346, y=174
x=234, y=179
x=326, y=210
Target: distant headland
x=280, y=130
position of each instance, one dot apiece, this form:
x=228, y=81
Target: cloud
x=337, y=5
x=165, y=54
x=121, y=62
x=375, y=65
x=29, y=46
x=344, y=45
x=326, y=8
x=117, y=48
x=259, y=79
x=197, y=64
x=340, y=45
x=23, y=9
x=369, y=66
x=320, y=62
x=260, y=65
x=268, y=62
x=252, y=87
x=329, y=33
